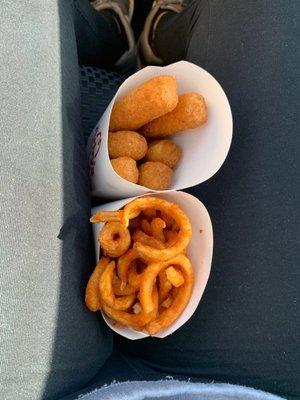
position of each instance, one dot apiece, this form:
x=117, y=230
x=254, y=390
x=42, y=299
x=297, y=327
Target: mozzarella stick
x=148, y=101
x=189, y=113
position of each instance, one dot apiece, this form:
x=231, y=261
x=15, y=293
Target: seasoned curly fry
x=92, y=299
x=146, y=227
x=166, y=303
x=119, y=289
x=175, y=276
x=170, y=223
x=106, y=216
x=114, y=239
x=181, y=299
x=136, y=321
x=153, y=280
x=135, y=223
x=134, y=279
x=151, y=272
x=107, y=293
x=149, y=213
x=124, y=263
x=165, y=286
x=172, y=209
x=157, y=227
x=171, y=238
x=141, y=237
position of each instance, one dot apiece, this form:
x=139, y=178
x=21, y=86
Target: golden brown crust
x=150, y=100
x=155, y=175
x=126, y=143
x=126, y=168
x=190, y=112
x=165, y=151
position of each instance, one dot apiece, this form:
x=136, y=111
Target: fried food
x=183, y=237
x=151, y=272
x=107, y=293
x=170, y=223
x=135, y=321
x=135, y=223
x=155, y=175
x=126, y=143
x=153, y=98
x=157, y=228
x=106, y=216
x=181, y=299
x=92, y=299
x=175, y=277
x=124, y=264
x=146, y=227
x=190, y=112
x=166, y=303
x=165, y=286
x=121, y=290
x=114, y=239
x=149, y=213
x=171, y=238
x=165, y=151
x=134, y=279
x=141, y=237
x=153, y=280
x=126, y=168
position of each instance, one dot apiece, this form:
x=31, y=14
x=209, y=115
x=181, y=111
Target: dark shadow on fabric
x=82, y=342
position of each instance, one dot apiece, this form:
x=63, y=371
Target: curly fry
x=164, y=286
x=174, y=276
x=121, y=290
x=166, y=303
x=149, y=213
x=135, y=321
x=106, y=216
x=124, y=263
x=157, y=228
x=134, y=279
x=107, y=294
x=181, y=299
x=172, y=209
x=146, y=227
x=114, y=239
x=141, y=237
x=151, y=272
x=92, y=300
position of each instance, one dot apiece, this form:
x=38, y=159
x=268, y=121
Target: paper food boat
x=199, y=252
x=204, y=149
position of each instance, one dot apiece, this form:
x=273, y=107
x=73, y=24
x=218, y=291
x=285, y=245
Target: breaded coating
x=150, y=100
x=190, y=112
x=126, y=168
x=165, y=151
x=155, y=175
x=126, y=143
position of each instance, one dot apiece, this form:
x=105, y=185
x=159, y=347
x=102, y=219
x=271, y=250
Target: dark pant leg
x=98, y=36
x=246, y=328
x=50, y=344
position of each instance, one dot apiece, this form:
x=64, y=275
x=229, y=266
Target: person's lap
x=245, y=328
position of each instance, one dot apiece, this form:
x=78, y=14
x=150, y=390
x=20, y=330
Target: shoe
x=125, y=6
x=123, y=11
x=159, y=9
